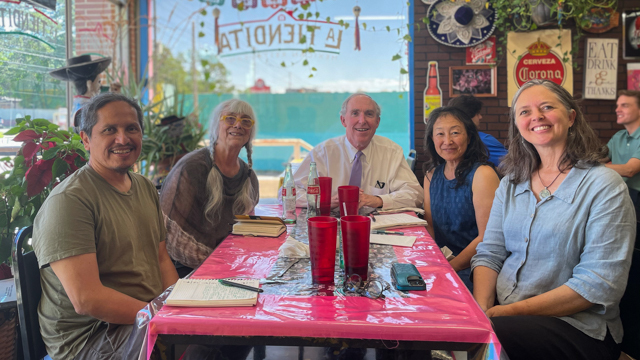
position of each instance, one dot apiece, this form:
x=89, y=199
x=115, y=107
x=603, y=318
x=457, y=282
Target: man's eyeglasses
x=232, y=120
x=372, y=289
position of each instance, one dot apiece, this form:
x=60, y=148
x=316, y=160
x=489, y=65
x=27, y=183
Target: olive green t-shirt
x=85, y=214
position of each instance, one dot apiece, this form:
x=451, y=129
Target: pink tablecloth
x=446, y=312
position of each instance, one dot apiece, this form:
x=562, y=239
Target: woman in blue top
x=556, y=253
x=459, y=185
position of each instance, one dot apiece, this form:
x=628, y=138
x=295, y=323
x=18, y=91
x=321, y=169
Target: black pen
x=241, y=286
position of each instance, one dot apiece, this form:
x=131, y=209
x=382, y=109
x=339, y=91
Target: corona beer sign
x=535, y=58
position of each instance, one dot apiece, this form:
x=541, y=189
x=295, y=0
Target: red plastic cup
x=323, y=231
x=349, y=197
x=356, y=230
x=325, y=195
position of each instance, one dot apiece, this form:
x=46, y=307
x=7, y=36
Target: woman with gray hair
x=207, y=187
x=555, y=256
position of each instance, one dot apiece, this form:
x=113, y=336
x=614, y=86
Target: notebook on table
x=395, y=221
x=251, y=225
x=211, y=293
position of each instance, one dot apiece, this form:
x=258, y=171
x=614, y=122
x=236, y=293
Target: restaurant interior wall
x=599, y=113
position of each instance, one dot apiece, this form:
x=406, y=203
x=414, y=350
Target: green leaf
x=241, y=6
x=311, y=28
x=388, y=28
x=204, y=63
x=305, y=62
x=305, y=6
x=200, y=34
x=17, y=190
x=56, y=140
x=41, y=122
x=364, y=26
x=314, y=69
x=341, y=22
x=14, y=130
x=400, y=96
x=203, y=12
x=50, y=153
x=59, y=168
x=303, y=39
x=309, y=14
x=317, y=14
x=52, y=127
x=328, y=19
x=403, y=71
x=18, y=160
x=407, y=38
x=79, y=162
x=201, y=23
x=310, y=75
x=346, y=25
x=283, y=64
x=301, y=16
x=396, y=57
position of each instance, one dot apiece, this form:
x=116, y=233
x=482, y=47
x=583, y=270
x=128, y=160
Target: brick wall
x=100, y=31
x=599, y=113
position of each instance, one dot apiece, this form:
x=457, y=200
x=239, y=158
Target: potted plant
x=528, y=15
x=168, y=135
x=47, y=156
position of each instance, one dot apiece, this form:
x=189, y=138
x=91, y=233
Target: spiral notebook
x=211, y=293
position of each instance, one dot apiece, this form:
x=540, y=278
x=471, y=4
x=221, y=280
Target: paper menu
x=397, y=240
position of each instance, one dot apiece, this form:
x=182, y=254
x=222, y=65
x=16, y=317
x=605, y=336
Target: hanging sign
x=483, y=53
x=601, y=69
x=280, y=32
x=544, y=54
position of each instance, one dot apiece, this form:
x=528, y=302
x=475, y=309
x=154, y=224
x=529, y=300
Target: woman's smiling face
x=541, y=118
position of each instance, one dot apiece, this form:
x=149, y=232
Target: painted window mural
x=32, y=43
x=295, y=61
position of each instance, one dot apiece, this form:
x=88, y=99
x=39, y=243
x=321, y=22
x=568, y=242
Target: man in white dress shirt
x=386, y=180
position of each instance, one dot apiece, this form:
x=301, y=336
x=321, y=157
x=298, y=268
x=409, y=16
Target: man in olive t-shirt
x=99, y=239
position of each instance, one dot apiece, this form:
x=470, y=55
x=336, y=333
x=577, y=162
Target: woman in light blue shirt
x=557, y=249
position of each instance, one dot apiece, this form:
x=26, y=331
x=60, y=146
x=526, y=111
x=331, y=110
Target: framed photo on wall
x=631, y=34
x=476, y=80
x=633, y=76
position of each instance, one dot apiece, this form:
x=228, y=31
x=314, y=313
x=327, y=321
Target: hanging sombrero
x=461, y=23
x=81, y=67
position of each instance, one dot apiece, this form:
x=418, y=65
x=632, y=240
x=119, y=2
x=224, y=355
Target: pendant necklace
x=545, y=193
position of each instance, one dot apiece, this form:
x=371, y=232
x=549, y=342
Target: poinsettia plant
x=47, y=156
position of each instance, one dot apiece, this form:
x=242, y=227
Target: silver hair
x=343, y=110
x=243, y=203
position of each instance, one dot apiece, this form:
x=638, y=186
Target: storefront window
x=32, y=43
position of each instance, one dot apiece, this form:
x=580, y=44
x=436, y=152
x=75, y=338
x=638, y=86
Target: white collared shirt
x=385, y=172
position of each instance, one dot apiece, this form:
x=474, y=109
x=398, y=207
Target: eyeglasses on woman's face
x=372, y=289
x=245, y=121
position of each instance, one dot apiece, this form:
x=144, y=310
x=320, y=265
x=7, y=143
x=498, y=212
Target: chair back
x=28, y=291
x=630, y=307
x=411, y=159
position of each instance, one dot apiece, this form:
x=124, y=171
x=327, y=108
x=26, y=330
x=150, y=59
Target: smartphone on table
x=407, y=277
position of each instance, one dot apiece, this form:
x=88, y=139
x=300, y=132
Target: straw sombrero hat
x=81, y=67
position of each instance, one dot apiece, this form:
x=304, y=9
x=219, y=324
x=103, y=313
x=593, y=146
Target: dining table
x=292, y=311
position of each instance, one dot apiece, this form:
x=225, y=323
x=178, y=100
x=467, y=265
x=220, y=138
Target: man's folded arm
x=81, y=281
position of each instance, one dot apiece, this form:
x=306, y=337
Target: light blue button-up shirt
x=582, y=236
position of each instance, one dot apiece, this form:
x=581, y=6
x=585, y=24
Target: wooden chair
x=28, y=291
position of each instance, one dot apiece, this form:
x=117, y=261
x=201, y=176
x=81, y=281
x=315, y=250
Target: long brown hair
x=582, y=150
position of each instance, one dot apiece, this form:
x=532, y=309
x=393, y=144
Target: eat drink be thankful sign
x=601, y=69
